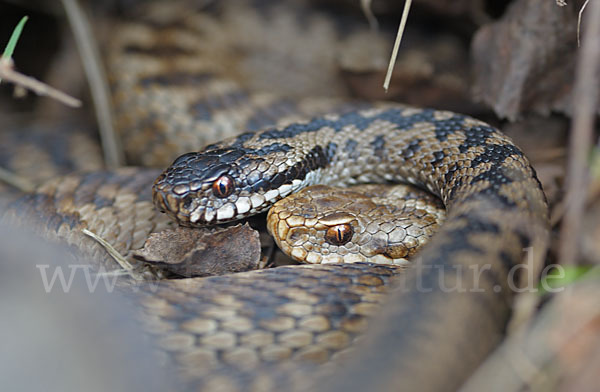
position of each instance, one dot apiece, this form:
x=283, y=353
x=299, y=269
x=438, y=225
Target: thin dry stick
x=122, y=261
x=365, y=5
x=388, y=75
x=7, y=73
x=16, y=181
x=579, y=21
x=585, y=98
x=90, y=57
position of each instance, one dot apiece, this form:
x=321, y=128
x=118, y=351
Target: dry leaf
x=203, y=252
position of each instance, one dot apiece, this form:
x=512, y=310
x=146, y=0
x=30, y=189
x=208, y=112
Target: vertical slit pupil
x=223, y=186
x=339, y=235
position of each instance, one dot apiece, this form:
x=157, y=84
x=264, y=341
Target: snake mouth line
x=197, y=210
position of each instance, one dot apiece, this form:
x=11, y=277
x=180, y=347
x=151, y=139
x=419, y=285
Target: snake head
x=222, y=184
x=322, y=224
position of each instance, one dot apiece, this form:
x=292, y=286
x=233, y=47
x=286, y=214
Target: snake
x=448, y=308
x=493, y=200
x=369, y=223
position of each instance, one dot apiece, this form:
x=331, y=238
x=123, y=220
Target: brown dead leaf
x=525, y=61
x=203, y=252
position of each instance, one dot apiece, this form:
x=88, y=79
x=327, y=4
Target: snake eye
x=339, y=234
x=223, y=186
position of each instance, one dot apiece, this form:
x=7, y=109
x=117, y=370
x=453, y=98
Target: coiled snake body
x=491, y=193
x=450, y=307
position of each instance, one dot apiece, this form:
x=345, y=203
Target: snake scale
x=449, y=308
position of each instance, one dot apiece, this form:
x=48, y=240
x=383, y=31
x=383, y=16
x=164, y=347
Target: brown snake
x=231, y=331
x=374, y=223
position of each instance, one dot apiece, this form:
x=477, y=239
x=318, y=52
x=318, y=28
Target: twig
x=90, y=57
x=584, y=107
x=365, y=5
x=388, y=75
x=9, y=74
x=579, y=21
x=16, y=181
x=125, y=265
